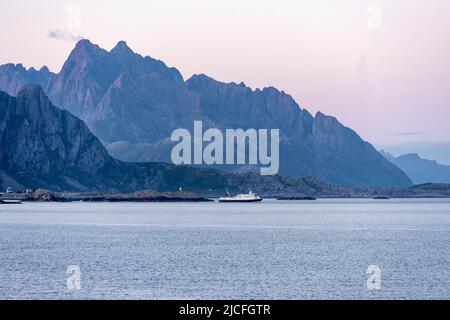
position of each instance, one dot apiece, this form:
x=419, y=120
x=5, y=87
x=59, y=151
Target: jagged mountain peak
x=20, y=66
x=44, y=69
x=122, y=44
x=122, y=48
x=322, y=116
x=13, y=67
x=83, y=51
x=126, y=97
x=85, y=44
x=201, y=80
x=200, y=77
x=204, y=79
x=326, y=120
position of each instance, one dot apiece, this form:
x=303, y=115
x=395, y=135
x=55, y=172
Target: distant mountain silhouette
x=420, y=170
x=133, y=103
x=42, y=146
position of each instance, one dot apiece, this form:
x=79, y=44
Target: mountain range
x=42, y=146
x=133, y=103
x=420, y=170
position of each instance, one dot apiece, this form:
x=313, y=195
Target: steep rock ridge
x=14, y=77
x=310, y=146
x=41, y=142
x=345, y=152
x=140, y=108
x=42, y=146
x=420, y=170
x=133, y=103
x=90, y=71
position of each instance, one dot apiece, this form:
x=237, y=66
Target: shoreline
x=114, y=199
x=42, y=195
x=425, y=191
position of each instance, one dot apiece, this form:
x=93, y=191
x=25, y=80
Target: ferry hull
x=240, y=200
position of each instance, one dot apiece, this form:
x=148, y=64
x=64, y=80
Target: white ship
x=242, y=197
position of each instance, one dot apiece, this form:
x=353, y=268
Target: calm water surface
x=270, y=250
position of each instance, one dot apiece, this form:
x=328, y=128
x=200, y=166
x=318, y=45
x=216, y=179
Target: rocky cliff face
x=41, y=142
x=310, y=146
x=133, y=103
x=42, y=146
x=14, y=77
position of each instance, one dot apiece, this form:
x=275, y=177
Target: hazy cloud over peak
x=63, y=35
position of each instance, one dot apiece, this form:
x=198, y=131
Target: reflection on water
x=270, y=250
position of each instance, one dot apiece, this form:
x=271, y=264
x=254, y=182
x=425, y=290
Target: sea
x=323, y=249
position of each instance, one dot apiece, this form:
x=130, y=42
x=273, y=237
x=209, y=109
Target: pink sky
x=381, y=67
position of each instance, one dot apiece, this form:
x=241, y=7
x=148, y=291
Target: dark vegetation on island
x=42, y=195
x=322, y=190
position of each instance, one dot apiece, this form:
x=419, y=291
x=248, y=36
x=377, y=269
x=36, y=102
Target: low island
x=43, y=195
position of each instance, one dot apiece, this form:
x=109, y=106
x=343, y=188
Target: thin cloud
x=408, y=133
x=63, y=35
